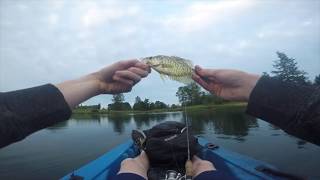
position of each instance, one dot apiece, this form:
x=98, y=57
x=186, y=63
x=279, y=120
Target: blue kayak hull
x=239, y=166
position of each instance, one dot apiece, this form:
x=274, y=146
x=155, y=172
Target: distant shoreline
x=188, y=108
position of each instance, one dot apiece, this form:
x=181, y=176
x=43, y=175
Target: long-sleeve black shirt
x=293, y=108
x=25, y=111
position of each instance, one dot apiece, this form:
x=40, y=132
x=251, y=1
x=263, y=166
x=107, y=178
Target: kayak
x=238, y=165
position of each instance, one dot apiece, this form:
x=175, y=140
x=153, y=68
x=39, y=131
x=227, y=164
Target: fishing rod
x=188, y=165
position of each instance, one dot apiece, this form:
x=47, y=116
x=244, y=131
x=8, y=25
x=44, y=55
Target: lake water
x=55, y=151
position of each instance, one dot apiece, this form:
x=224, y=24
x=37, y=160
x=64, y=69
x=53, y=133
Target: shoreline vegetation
x=231, y=105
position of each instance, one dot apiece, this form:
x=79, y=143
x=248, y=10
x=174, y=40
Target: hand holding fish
x=117, y=78
x=121, y=76
x=228, y=84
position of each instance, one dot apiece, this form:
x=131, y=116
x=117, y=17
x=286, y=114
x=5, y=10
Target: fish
x=173, y=67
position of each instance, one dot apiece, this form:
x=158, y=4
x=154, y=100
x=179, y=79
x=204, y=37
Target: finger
x=204, y=72
x=140, y=72
x=201, y=82
x=123, y=80
x=143, y=66
x=128, y=75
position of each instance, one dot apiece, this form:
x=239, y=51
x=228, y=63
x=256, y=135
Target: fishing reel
x=174, y=175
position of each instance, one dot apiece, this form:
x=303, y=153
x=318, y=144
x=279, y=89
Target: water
x=55, y=151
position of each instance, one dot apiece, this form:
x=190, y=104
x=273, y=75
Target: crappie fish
x=173, y=67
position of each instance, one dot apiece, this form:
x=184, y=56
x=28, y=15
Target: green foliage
x=286, y=69
x=173, y=106
x=208, y=98
x=118, y=103
x=119, y=106
x=87, y=109
x=91, y=107
x=265, y=74
x=160, y=105
x=192, y=95
x=317, y=80
x=118, y=98
x=145, y=105
x=189, y=95
x=141, y=105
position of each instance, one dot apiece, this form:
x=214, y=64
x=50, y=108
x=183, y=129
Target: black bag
x=166, y=145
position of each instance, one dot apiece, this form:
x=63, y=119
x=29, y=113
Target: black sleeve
x=292, y=107
x=25, y=111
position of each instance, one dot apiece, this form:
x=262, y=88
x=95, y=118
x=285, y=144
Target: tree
x=189, y=95
x=118, y=98
x=118, y=103
x=160, y=105
x=317, y=80
x=141, y=105
x=146, y=104
x=138, y=99
x=152, y=106
x=286, y=69
x=173, y=106
x=183, y=95
x=265, y=74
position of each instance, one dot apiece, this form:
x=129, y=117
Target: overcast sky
x=52, y=41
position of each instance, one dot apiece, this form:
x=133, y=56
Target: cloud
x=200, y=15
x=53, y=19
x=96, y=15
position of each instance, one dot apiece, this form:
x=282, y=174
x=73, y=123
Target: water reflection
x=61, y=125
x=148, y=120
x=226, y=123
x=119, y=121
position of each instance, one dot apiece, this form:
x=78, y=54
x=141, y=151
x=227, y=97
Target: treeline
x=119, y=104
x=87, y=109
x=188, y=95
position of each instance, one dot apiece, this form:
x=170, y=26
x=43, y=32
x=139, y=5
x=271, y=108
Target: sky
x=51, y=41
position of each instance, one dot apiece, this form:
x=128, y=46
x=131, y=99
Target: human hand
x=199, y=166
x=228, y=84
x=138, y=165
x=121, y=76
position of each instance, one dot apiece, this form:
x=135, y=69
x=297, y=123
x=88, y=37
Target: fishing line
x=187, y=127
x=188, y=164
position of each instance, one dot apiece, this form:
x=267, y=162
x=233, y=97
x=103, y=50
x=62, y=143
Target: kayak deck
x=239, y=166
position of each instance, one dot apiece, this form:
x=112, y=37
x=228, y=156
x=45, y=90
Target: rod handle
x=189, y=170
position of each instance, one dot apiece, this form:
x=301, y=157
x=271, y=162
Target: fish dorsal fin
x=187, y=61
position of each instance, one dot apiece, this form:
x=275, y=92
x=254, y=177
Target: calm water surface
x=55, y=151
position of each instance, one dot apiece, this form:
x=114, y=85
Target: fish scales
x=173, y=67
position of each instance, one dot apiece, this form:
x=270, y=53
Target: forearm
x=79, y=90
x=25, y=111
x=294, y=108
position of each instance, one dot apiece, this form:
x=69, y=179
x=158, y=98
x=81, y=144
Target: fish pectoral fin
x=162, y=77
